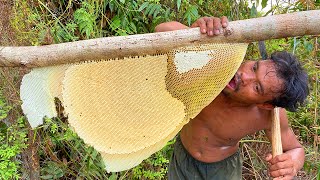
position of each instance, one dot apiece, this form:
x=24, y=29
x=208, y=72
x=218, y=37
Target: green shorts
x=184, y=167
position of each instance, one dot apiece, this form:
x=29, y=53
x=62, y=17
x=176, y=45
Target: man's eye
x=256, y=88
x=254, y=68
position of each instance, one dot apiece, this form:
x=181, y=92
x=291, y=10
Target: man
x=207, y=147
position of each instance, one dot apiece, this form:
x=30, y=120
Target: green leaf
x=148, y=9
x=156, y=12
x=308, y=46
x=191, y=14
x=133, y=27
x=122, y=1
x=167, y=14
x=153, y=9
x=111, y=6
x=264, y=3
x=144, y=5
x=124, y=21
x=194, y=11
x=116, y=22
x=253, y=12
x=187, y=16
x=178, y=4
x=47, y=176
x=114, y=176
x=189, y=20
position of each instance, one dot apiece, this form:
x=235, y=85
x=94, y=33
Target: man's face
x=255, y=82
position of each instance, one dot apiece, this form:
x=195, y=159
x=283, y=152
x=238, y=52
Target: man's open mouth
x=233, y=83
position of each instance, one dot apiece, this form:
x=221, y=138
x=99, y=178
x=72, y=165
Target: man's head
x=279, y=81
x=295, y=88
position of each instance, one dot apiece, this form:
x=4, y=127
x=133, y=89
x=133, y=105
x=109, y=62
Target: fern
x=150, y=9
x=85, y=20
x=64, y=34
x=191, y=14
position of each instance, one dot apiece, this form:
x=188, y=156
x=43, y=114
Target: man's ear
x=266, y=106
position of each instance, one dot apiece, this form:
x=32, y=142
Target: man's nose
x=247, y=78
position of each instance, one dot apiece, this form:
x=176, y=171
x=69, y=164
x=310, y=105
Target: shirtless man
x=207, y=147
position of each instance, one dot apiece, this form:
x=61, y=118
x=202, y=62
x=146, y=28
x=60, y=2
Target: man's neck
x=225, y=101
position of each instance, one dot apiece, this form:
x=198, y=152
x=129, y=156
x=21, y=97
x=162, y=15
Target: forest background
x=53, y=151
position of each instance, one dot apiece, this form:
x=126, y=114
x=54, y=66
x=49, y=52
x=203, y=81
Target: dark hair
x=295, y=89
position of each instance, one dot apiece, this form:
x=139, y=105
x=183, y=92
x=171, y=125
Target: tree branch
x=258, y=29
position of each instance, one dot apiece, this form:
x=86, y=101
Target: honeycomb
x=129, y=108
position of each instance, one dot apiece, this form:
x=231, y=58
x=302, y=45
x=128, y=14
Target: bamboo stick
x=276, y=133
x=250, y=30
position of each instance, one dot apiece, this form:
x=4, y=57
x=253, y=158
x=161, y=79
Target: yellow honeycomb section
x=199, y=86
x=129, y=108
x=38, y=90
x=121, y=106
x=121, y=162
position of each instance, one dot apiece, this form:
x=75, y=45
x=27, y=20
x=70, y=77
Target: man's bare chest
x=229, y=127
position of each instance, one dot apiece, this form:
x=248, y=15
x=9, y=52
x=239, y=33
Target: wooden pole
x=276, y=133
x=258, y=29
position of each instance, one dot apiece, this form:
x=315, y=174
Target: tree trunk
x=258, y=29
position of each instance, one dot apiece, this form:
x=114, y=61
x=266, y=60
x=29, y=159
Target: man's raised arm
x=208, y=25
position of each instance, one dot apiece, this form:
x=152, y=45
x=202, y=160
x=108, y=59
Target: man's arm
x=170, y=26
x=286, y=166
x=209, y=25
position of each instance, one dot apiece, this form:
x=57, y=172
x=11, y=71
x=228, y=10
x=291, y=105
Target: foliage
x=63, y=155
x=12, y=140
x=155, y=167
x=85, y=19
x=4, y=108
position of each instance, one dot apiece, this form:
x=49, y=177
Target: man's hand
x=211, y=25
x=281, y=167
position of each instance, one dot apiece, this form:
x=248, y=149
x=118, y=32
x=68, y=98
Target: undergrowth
x=13, y=139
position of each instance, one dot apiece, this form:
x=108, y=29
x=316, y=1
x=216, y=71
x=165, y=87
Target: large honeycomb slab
x=129, y=108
